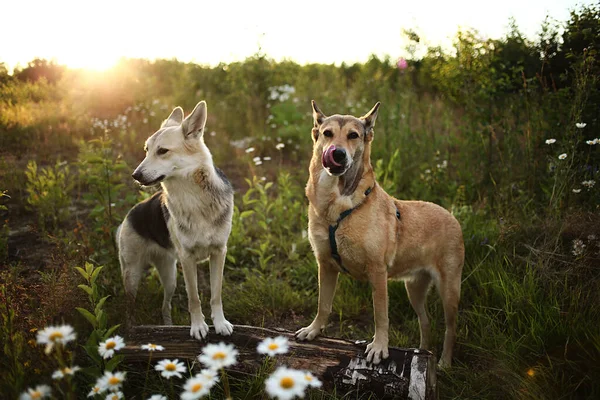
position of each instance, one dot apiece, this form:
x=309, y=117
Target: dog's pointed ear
x=318, y=118
x=369, y=121
x=174, y=119
x=193, y=125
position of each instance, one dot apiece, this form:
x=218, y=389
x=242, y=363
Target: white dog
x=188, y=220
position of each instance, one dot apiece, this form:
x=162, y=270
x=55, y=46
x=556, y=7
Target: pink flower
x=402, y=64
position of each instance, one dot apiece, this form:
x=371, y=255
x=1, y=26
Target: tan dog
x=354, y=226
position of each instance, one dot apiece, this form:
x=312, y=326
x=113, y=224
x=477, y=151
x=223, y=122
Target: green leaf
x=89, y=267
x=110, y=331
x=92, y=352
x=95, y=274
x=114, y=363
x=88, y=315
x=246, y=214
x=231, y=258
x=83, y=273
x=102, y=319
x=86, y=288
x=100, y=304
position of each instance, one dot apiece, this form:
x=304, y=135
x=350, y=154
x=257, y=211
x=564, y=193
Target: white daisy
x=169, y=369
x=52, y=335
x=589, y=184
x=267, y=158
x=195, y=388
x=258, y=162
x=592, y=142
x=218, y=356
x=111, y=381
x=312, y=380
x=157, y=397
x=286, y=383
x=550, y=141
x=61, y=373
x=280, y=146
x=107, y=348
x=152, y=347
x=96, y=389
x=576, y=190
x=562, y=156
x=210, y=375
x=580, y=125
x=273, y=346
x=115, y=396
x=255, y=159
x=249, y=149
x=39, y=392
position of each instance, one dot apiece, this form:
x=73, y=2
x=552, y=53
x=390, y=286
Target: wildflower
x=258, y=162
x=157, y=397
x=170, y=368
x=39, y=392
x=578, y=247
x=61, y=373
x=52, y=335
x=402, y=64
x=111, y=381
x=115, y=396
x=255, y=159
x=443, y=165
x=562, y=156
x=96, y=389
x=286, y=383
x=218, y=356
x=249, y=149
x=210, y=376
x=531, y=372
x=550, y=141
x=591, y=237
x=589, y=184
x=107, y=348
x=580, y=125
x=593, y=142
x=427, y=171
x=280, y=146
x=152, y=347
x=312, y=380
x=576, y=190
x=194, y=388
x=267, y=158
x=273, y=346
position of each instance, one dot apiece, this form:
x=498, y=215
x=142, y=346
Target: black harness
x=333, y=228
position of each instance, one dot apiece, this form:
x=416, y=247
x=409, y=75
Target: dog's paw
x=199, y=330
x=308, y=333
x=223, y=327
x=376, y=351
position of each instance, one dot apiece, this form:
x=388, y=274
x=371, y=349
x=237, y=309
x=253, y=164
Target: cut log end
x=405, y=374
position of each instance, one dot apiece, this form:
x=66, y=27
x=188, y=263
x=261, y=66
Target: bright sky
x=95, y=34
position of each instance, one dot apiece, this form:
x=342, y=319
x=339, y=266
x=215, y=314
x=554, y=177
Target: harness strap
x=333, y=228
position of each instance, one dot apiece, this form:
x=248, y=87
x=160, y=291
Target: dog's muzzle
x=335, y=160
x=142, y=180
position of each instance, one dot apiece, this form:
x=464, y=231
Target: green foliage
x=48, y=192
x=13, y=345
x=98, y=319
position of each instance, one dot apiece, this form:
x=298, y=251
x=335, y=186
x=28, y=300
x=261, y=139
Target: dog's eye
x=353, y=135
x=161, y=151
x=328, y=133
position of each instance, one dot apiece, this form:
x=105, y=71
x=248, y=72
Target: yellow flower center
x=308, y=378
x=55, y=335
x=273, y=346
x=287, y=382
x=152, y=346
x=96, y=389
x=36, y=395
x=196, y=387
x=110, y=345
x=67, y=370
x=219, y=355
x=531, y=372
x=170, y=367
x=114, y=380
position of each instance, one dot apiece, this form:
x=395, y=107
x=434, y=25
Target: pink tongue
x=328, y=158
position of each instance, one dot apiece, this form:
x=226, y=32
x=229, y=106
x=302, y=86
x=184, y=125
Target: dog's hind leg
x=416, y=288
x=132, y=267
x=449, y=290
x=166, y=265
x=217, y=263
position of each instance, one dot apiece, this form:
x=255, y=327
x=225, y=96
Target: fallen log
x=406, y=374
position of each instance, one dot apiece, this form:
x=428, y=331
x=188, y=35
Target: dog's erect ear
x=174, y=119
x=193, y=125
x=318, y=115
x=369, y=121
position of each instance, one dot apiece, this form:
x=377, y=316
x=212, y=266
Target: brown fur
x=424, y=245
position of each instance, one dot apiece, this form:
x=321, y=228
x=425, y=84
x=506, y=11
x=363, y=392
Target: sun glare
x=93, y=62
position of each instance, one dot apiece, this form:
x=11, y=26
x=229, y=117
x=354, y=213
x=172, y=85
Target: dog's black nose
x=339, y=156
x=137, y=175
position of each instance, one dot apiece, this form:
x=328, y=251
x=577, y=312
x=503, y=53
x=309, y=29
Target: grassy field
x=471, y=131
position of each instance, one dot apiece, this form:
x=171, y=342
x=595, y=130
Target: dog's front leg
x=328, y=276
x=217, y=263
x=199, y=328
x=378, y=348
